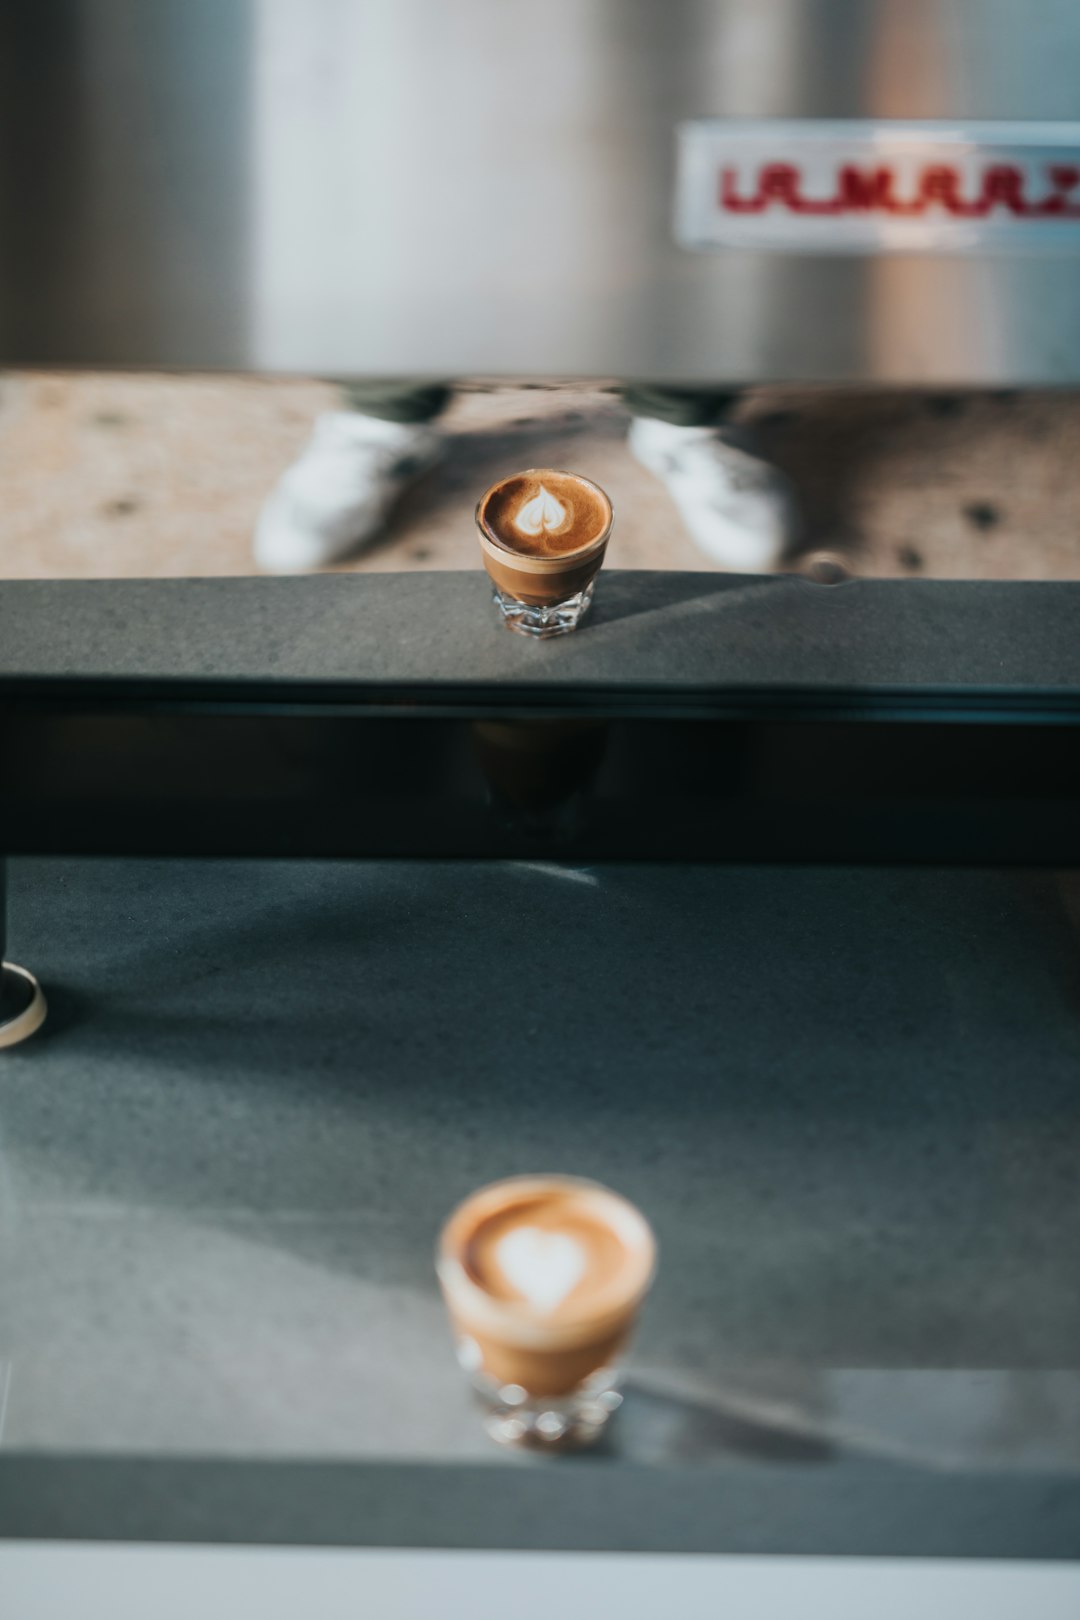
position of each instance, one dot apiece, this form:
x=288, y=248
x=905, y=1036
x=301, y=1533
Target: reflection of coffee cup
x=543, y=535
x=536, y=766
x=543, y=1277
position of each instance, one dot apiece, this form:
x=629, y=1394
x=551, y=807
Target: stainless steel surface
x=405, y=186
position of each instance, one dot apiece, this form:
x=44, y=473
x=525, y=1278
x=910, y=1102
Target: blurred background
x=210, y=207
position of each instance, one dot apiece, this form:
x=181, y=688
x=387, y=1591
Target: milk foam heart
x=543, y=1266
x=543, y=514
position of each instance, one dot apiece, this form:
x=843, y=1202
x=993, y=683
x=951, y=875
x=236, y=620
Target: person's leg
x=681, y=407
x=738, y=507
x=340, y=491
x=392, y=399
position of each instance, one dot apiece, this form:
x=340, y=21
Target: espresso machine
x=757, y=894
x=413, y=189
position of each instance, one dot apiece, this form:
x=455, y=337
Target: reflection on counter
x=538, y=771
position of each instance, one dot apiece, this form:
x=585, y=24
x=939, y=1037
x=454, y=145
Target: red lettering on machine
x=937, y=188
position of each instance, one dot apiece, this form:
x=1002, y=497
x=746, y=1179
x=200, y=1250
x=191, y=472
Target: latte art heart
x=542, y=515
x=544, y=1267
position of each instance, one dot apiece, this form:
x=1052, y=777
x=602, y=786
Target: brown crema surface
x=545, y=513
x=557, y=1214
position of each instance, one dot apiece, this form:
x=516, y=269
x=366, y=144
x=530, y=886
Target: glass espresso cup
x=543, y=1278
x=543, y=534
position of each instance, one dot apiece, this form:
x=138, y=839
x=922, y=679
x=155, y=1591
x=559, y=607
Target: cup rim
x=553, y=563
x=516, y=1321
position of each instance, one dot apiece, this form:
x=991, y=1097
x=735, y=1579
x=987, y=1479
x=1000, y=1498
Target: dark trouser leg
x=682, y=407
x=393, y=399
x=396, y=400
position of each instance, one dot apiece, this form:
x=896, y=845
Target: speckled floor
x=162, y=475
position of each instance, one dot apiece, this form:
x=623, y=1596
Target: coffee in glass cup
x=543, y=1277
x=543, y=534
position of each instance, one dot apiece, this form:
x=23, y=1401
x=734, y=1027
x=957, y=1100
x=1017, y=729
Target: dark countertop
x=848, y=1101
x=674, y=630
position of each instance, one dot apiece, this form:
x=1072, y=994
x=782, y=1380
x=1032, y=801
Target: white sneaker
x=339, y=491
x=739, y=509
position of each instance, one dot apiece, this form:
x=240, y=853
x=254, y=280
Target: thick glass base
x=568, y=1422
x=553, y=619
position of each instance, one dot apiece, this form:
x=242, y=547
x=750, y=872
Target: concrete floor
x=107, y=476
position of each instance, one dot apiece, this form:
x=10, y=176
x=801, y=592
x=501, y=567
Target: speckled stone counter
x=848, y=1100
x=673, y=630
